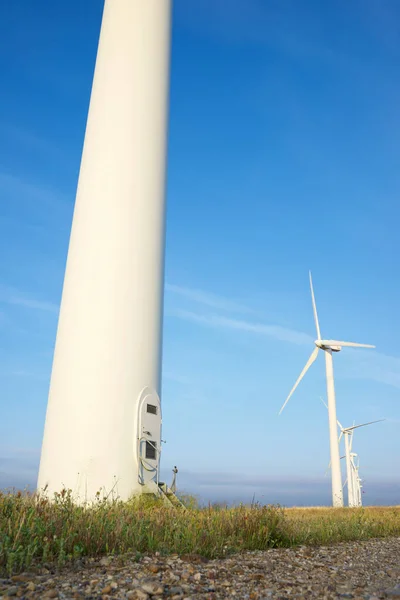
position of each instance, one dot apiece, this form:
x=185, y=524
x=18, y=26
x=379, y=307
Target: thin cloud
x=273, y=331
x=28, y=139
x=30, y=375
x=206, y=298
x=15, y=298
x=34, y=304
x=176, y=378
x=15, y=186
x=267, y=25
x=33, y=203
x=19, y=467
x=375, y=366
x=285, y=490
x=369, y=365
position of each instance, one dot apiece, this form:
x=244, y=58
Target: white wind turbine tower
x=103, y=422
x=328, y=346
x=353, y=479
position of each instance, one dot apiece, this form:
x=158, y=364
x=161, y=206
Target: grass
x=34, y=531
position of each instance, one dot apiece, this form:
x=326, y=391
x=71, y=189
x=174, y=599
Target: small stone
x=153, y=568
x=114, y=585
x=20, y=578
x=50, y=594
x=137, y=595
x=107, y=589
x=133, y=585
x=197, y=576
x=152, y=587
x=105, y=562
x=31, y=587
x=392, y=573
x=174, y=591
x=12, y=591
x=211, y=574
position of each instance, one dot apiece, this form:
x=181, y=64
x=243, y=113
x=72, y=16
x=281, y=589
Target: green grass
x=34, y=531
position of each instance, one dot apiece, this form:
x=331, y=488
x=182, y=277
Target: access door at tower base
x=149, y=436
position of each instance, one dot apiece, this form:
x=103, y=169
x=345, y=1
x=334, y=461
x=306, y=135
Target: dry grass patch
x=35, y=531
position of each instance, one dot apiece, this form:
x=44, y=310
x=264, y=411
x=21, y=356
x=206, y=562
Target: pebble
x=137, y=595
x=51, y=594
x=12, y=591
x=153, y=588
x=367, y=570
x=106, y=590
x=154, y=568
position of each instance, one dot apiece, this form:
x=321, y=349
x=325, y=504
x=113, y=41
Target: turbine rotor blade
x=304, y=371
x=330, y=464
x=337, y=420
x=314, y=308
x=364, y=424
x=345, y=344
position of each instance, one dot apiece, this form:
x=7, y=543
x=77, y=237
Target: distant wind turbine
x=328, y=346
x=353, y=480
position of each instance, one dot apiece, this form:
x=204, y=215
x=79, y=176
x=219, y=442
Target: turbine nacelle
x=323, y=345
x=336, y=345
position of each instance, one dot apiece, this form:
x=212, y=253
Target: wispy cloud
x=19, y=467
x=207, y=298
x=273, y=331
x=34, y=304
x=375, y=366
x=16, y=186
x=265, y=24
x=11, y=296
x=25, y=138
x=370, y=365
x=286, y=490
x=30, y=375
x=176, y=378
x=34, y=204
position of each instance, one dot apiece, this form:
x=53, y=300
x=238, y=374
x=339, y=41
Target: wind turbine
x=328, y=346
x=353, y=479
x=103, y=422
x=357, y=483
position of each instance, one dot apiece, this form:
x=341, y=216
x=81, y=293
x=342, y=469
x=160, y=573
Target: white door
x=149, y=436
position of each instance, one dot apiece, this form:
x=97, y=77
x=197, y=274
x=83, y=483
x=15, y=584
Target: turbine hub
x=322, y=346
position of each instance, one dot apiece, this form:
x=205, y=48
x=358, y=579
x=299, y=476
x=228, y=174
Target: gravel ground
x=360, y=570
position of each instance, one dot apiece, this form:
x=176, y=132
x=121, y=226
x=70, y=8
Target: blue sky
x=283, y=157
